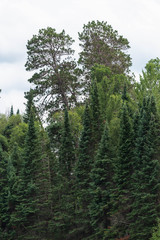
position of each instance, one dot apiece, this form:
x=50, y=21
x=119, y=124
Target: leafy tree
x=101, y=44
x=149, y=82
x=17, y=136
x=56, y=77
x=13, y=121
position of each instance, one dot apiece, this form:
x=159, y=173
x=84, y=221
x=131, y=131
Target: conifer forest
x=83, y=161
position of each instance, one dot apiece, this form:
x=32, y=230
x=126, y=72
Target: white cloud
x=15, y=98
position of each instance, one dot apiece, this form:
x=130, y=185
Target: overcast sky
x=136, y=20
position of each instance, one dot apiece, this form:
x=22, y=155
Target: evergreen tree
x=145, y=177
x=18, y=112
x=29, y=106
x=82, y=173
x=13, y=181
x=63, y=185
x=27, y=207
x=11, y=111
x=123, y=173
x=67, y=153
x=101, y=188
x=95, y=115
x=4, y=216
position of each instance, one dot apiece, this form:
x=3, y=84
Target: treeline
x=93, y=173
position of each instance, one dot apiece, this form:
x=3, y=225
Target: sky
x=136, y=20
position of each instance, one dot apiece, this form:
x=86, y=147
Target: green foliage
x=71, y=181
x=156, y=232
x=56, y=77
x=101, y=44
x=11, y=111
x=4, y=215
x=82, y=174
x=96, y=119
x=145, y=176
x=3, y=142
x=149, y=82
x=29, y=106
x=3, y=122
x=67, y=153
x=75, y=117
x=84, y=162
x=18, y=135
x=123, y=173
x=13, y=121
x=101, y=187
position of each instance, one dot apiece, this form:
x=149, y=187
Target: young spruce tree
x=145, y=176
x=123, y=172
x=101, y=188
x=82, y=174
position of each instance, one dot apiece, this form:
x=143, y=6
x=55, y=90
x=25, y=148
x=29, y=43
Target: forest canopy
x=93, y=171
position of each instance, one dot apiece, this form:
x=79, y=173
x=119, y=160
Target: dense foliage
x=94, y=172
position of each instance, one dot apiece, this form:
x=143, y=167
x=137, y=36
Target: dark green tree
x=4, y=216
x=67, y=152
x=12, y=197
x=63, y=194
x=11, y=111
x=33, y=209
x=123, y=173
x=29, y=106
x=101, y=188
x=96, y=118
x=82, y=174
x=145, y=182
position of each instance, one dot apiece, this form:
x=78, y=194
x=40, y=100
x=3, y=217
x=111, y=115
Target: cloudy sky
x=136, y=20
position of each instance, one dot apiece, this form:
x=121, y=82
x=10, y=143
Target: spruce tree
x=27, y=207
x=63, y=195
x=101, y=188
x=11, y=111
x=67, y=153
x=82, y=174
x=13, y=181
x=4, y=216
x=29, y=106
x=95, y=115
x=123, y=172
x=145, y=183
